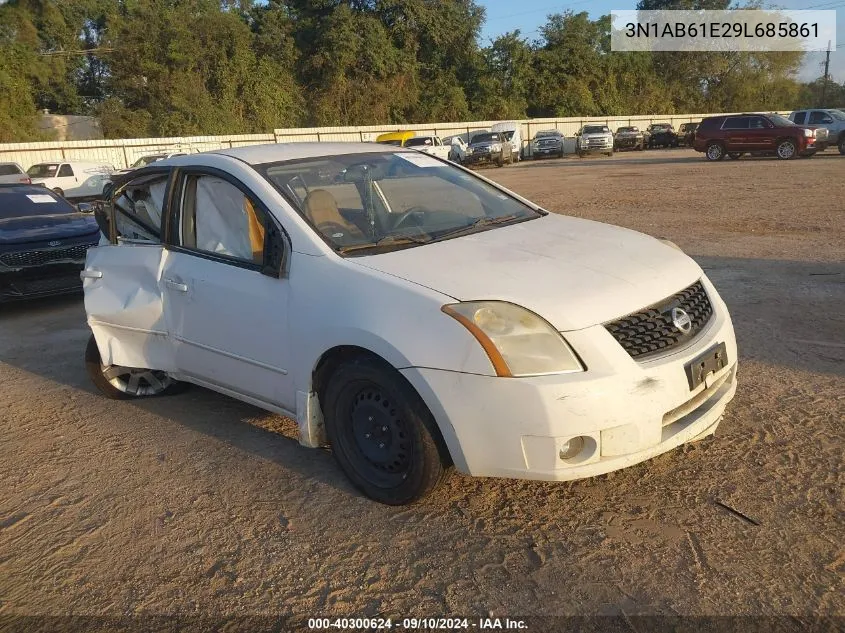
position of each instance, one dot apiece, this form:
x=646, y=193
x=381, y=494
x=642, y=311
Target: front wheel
x=842, y=145
x=124, y=383
x=786, y=149
x=381, y=432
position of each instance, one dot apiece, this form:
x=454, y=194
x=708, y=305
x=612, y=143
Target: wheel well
x=841, y=137
x=786, y=138
x=334, y=357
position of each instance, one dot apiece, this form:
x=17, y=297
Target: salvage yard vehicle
x=547, y=143
x=594, y=138
x=686, y=134
x=830, y=120
x=72, y=179
x=43, y=239
x=406, y=312
x=459, y=148
x=12, y=173
x=511, y=132
x=489, y=147
x=662, y=135
x=430, y=145
x=732, y=136
x=629, y=138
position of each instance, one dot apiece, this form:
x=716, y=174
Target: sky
x=529, y=15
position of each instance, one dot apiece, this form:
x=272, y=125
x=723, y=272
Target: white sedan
x=407, y=312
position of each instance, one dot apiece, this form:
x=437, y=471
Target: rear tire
x=381, y=432
x=715, y=152
x=841, y=145
x=124, y=383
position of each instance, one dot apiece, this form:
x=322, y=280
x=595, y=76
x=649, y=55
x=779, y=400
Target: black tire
x=841, y=145
x=715, y=151
x=560, y=155
x=640, y=147
x=734, y=155
x=95, y=369
x=381, y=432
x=59, y=192
x=609, y=153
x=786, y=149
x=500, y=162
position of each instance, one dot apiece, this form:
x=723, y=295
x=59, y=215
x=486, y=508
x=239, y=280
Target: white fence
x=122, y=153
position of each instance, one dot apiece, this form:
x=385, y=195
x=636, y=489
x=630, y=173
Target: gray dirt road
x=198, y=504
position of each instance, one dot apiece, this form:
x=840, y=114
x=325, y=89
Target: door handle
x=90, y=274
x=175, y=285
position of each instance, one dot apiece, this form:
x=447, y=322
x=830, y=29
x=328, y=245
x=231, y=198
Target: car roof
x=276, y=152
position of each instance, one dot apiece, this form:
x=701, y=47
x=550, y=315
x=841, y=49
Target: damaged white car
x=406, y=312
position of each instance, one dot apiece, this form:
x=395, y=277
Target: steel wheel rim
x=786, y=149
x=136, y=382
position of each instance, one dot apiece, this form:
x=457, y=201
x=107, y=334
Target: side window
x=816, y=117
x=800, y=117
x=758, y=123
x=137, y=208
x=65, y=171
x=735, y=123
x=217, y=217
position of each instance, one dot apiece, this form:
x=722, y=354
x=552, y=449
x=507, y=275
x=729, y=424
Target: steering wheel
x=410, y=213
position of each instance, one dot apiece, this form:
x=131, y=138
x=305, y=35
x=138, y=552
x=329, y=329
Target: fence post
x=125, y=156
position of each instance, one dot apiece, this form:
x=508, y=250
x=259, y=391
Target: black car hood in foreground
x=40, y=228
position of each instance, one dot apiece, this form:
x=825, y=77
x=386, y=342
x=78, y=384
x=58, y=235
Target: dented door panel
x=124, y=304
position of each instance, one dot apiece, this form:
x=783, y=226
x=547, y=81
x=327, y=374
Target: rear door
x=121, y=279
x=735, y=130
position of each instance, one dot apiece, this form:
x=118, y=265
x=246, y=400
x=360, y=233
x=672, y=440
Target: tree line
x=190, y=67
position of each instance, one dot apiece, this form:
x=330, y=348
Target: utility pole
x=826, y=77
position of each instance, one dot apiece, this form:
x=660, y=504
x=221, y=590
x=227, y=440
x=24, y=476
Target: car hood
x=46, y=227
x=574, y=273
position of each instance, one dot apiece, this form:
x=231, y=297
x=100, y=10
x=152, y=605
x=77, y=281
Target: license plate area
x=704, y=364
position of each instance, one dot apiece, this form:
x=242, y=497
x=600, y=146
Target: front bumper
x=623, y=143
x=627, y=411
x=594, y=147
x=482, y=157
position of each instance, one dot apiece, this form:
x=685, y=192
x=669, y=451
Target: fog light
x=571, y=448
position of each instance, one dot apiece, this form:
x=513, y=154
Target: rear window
x=800, y=117
x=9, y=169
x=18, y=202
x=43, y=170
x=736, y=123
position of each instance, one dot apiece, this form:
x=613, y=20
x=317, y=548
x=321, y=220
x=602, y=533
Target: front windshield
x=551, y=134
x=595, y=129
x=627, y=129
x=780, y=121
x=486, y=137
x=508, y=135
x=660, y=127
x=367, y=203
x=44, y=170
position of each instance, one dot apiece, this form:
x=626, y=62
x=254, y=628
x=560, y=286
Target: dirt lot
x=200, y=505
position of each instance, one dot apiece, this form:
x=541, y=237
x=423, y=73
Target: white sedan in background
x=407, y=312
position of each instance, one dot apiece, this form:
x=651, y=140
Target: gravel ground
x=200, y=505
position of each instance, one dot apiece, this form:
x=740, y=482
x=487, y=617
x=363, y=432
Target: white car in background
x=13, y=174
x=143, y=161
x=460, y=148
x=72, y=179
x=430, y=145
x=408, y=313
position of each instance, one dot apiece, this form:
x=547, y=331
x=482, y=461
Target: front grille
x=44, y=256
x=651, y=331
x=49, y=284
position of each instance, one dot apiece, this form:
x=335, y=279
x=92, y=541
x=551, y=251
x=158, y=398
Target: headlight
x=808, y=132
x=517, y=341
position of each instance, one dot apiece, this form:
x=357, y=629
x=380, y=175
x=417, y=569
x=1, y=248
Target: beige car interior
x=322, y=210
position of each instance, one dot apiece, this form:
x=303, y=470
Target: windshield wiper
x=387, y=240
x=480, y=222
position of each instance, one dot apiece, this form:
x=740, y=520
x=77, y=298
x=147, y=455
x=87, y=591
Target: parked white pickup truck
x=430, y=145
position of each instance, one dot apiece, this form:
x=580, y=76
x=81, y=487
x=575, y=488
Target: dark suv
x=735, y=135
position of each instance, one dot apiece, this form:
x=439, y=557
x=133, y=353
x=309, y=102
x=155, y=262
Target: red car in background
x=735, y=135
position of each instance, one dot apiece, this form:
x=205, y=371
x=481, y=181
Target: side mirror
x=275, y=252
x=84, y=207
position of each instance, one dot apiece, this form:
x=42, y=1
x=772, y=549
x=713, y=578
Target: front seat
x=322, y=210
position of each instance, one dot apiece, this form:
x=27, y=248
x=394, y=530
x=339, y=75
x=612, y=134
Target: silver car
x=13, y=174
